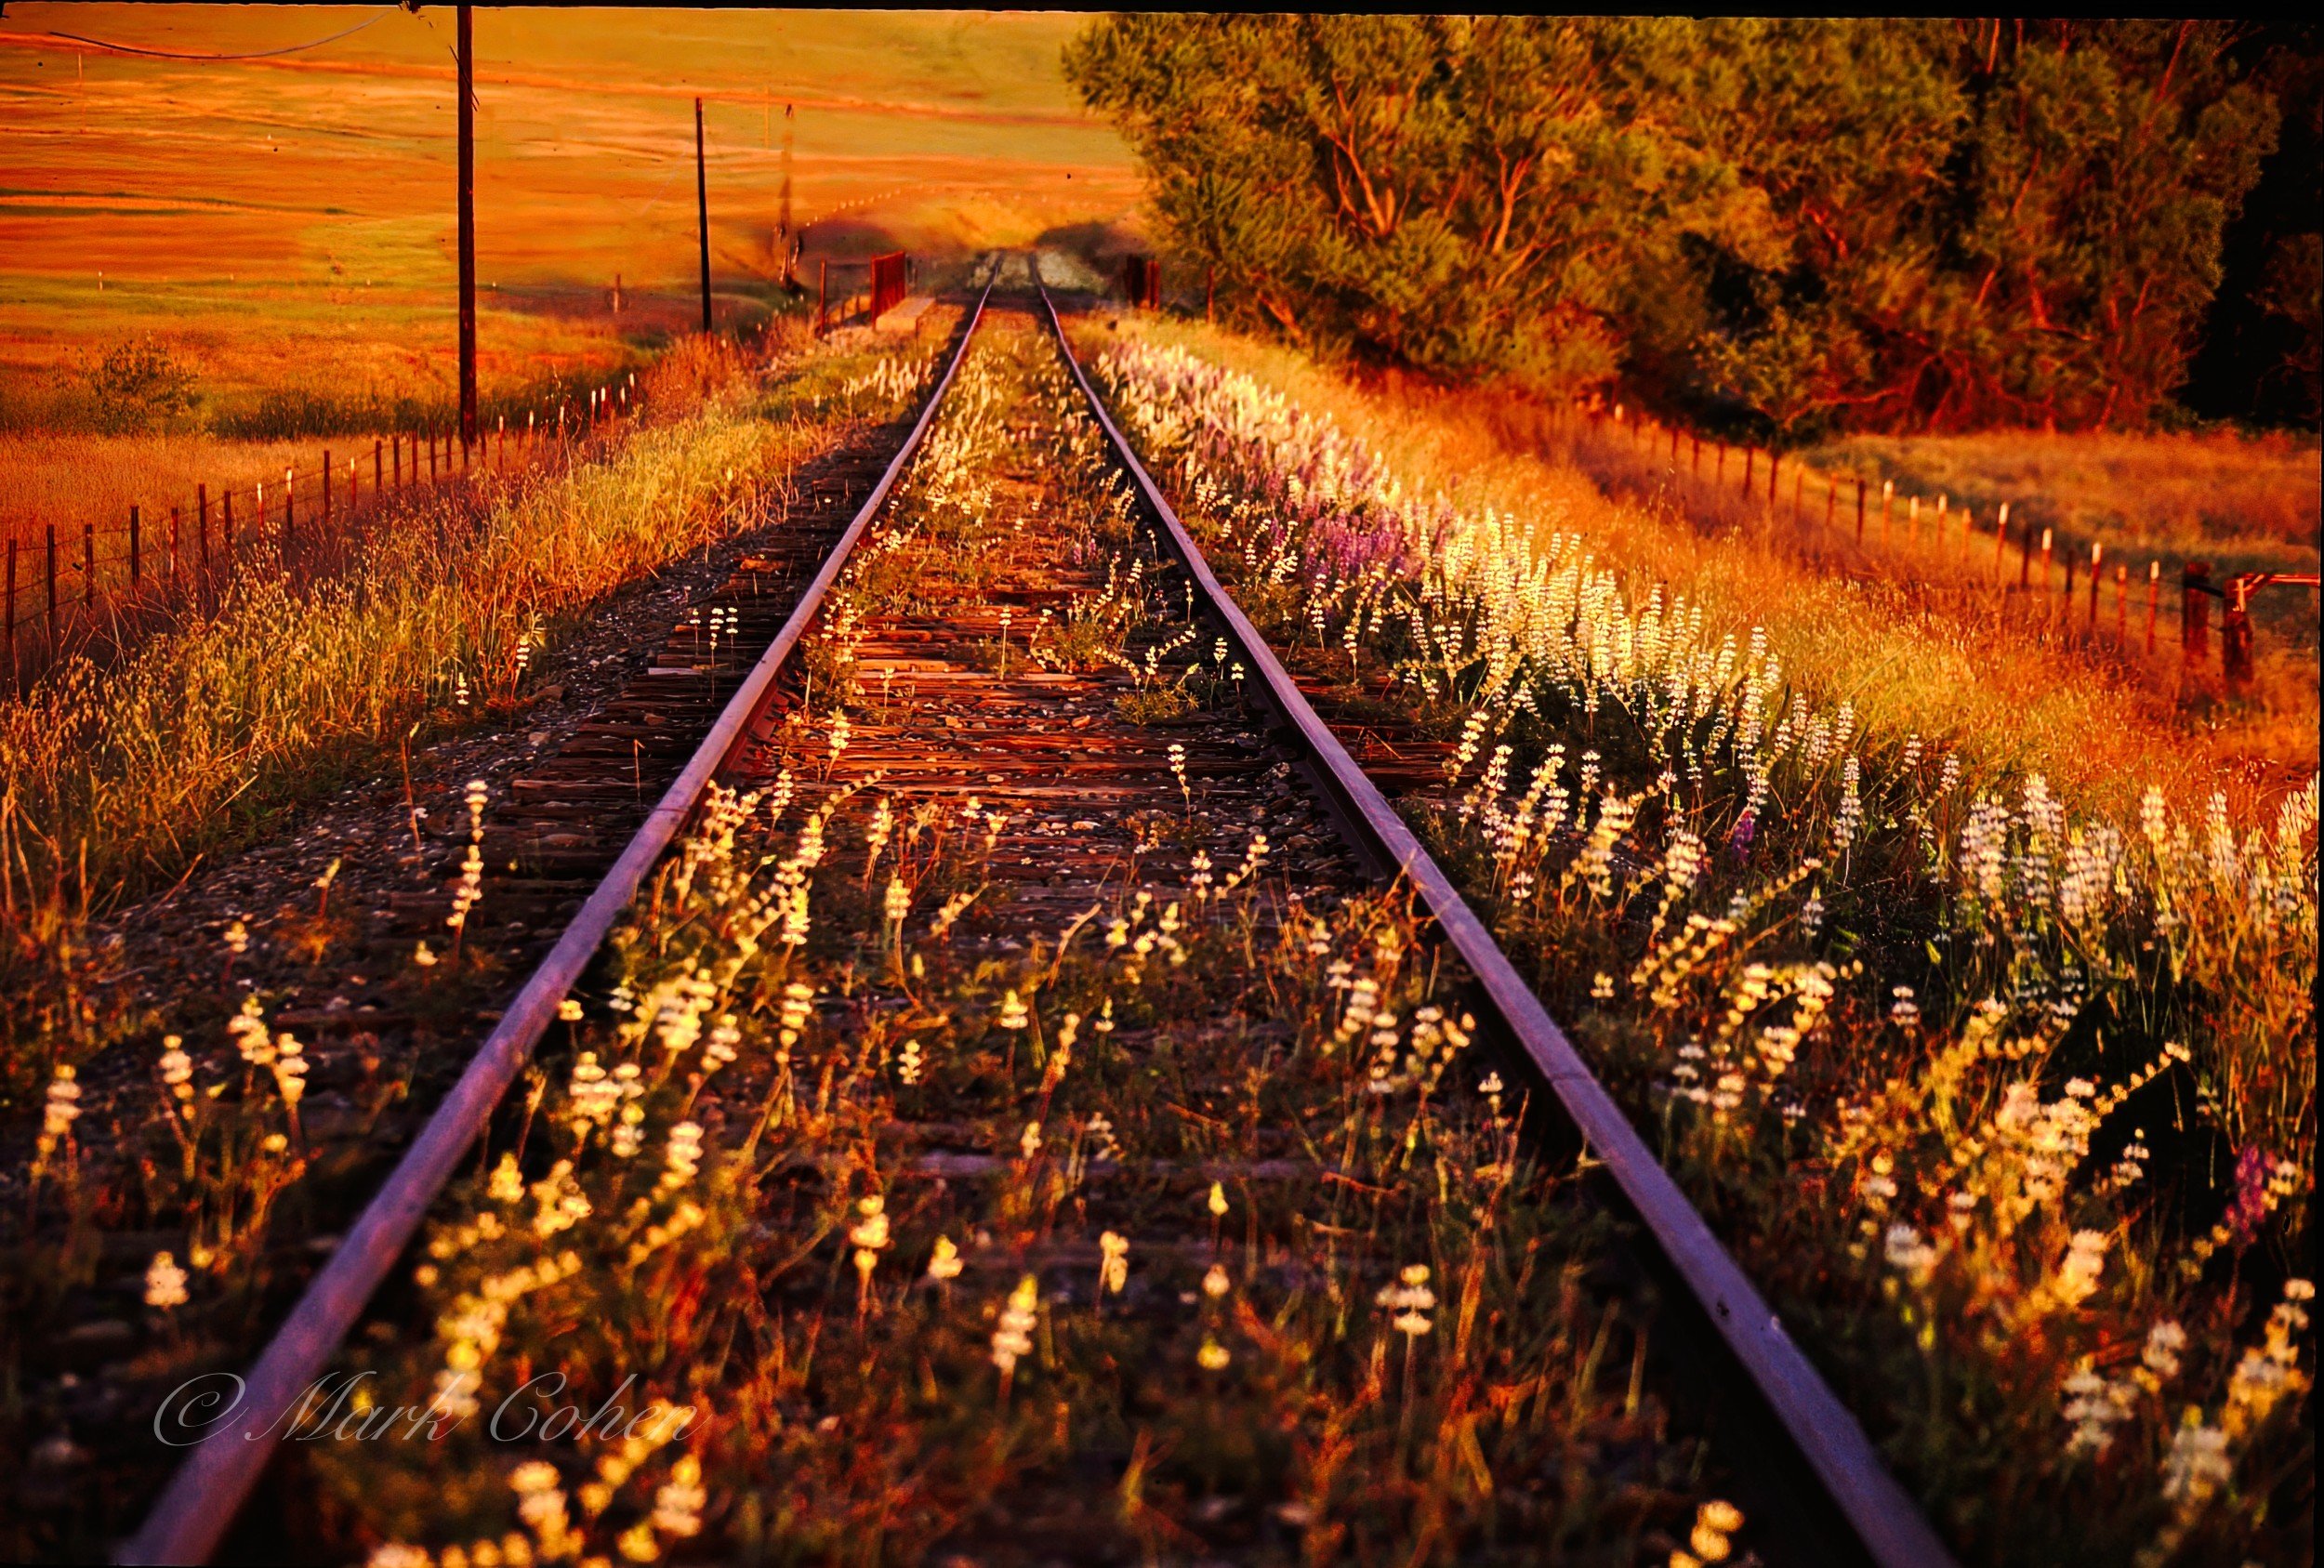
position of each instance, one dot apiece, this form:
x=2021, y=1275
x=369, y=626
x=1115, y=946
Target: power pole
x=702, y=215
x=468, y=228
x=784, y=238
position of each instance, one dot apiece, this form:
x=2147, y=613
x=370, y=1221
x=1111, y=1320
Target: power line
x=262, y=54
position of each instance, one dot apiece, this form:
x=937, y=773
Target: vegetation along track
x=1023, y=1119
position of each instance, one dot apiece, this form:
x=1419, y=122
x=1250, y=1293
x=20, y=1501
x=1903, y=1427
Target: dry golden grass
x=1889, y=645
x=64, y=480
x=2248, y=503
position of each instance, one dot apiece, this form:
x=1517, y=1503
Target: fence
x=62, y=586
x=1142, y=283
x=2029, y=566
x=888, y=278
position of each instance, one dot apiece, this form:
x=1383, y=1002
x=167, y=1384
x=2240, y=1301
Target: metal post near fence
x=137, y=561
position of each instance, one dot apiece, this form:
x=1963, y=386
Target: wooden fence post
x=176, y=527
x=326, y=488
x=2001, y=538
x=52, y=583
x=1750, y=454
x=202, y=529
x=2234, y=640
x=137, y=563
x=1888, y=502
x=2121, y=603
x=1859, y=514
x=2154, y=599
x=2097, y=552
x=2194, y=614
x=378, y=470
x=290, y=490
x=2065, y=605
x=88, y=564
x=1775, y=466
x=12, y=613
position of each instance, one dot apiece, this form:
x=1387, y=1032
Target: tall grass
x=118, y=781
x=2009, y=1101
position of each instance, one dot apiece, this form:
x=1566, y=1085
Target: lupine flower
x=165, y=1283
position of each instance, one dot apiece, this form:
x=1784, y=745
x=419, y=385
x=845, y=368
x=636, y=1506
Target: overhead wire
x=260, y=54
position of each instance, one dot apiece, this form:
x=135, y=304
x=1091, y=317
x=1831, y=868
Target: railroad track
x=1089, y=785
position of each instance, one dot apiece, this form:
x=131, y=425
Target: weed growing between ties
x=2011, y=1107
x=1211, y=1247
x=1182, y=1230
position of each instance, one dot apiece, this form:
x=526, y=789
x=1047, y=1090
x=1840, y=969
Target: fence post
x=2195, y=614
x=1774, y=465
x=1832, y=500
x=2065, y=605
x=88, y=564
x=12, y=613
x=176, y=526
x=379, y=459
x=2000, y=536
x=326, y=487
x=290, y=492
x=226, y=530
x=1719, y=465
x=137, y=563
x=2154, y=599
x=52, y=583
x=2097, y=553
x=2121, y=603
x=1888, y=503
x=2234, y=640
x=1859, y=514
x=202, y=528
x=1750, y=454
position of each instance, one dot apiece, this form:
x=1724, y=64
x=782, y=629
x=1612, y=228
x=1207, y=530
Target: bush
x=139, y=387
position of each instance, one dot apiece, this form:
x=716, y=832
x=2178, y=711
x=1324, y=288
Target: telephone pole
x=783, y=231
x=702, y=215
x=469, y=429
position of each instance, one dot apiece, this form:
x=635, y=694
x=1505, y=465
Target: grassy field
x=283, y=229
x=1970, y=996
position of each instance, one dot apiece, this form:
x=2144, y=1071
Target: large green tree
x=1800, y=223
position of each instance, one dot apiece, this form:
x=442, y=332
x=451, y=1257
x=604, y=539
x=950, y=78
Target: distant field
x=290, y=222
x=2245, y=504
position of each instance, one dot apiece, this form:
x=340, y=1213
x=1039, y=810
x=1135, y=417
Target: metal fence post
x=326, y=488
x=88, y=564
x=136, y=563
x=52, y=583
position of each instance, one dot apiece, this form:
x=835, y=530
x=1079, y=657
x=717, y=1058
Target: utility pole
x=468, y=228
x=782, y=231
x=702, y=215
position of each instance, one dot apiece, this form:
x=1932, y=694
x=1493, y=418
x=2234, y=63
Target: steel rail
x=1885, y=1520
x=197, y=1508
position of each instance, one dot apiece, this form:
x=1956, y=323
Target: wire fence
x=72, y=586
x=2075, y=588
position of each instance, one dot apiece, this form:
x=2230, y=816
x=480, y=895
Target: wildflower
x=1218, y=1201
x=176, y=1069
x=1213, y=1356
x=2078, y=1275
x=1215, y=1283
x=62, y=1108
x=1903, y=1008
x=677, y=1505
x=1012, y=1338
x=1909, y=1254
x=2096, y=1405
x=569, y=1010
x=507, y=1182
x=237, y=938
x=1410, y=1299
x=422, y=956
x=1114, y=1263
x=165, y=1283
x=943, y=1263
x=1012, y=1012
x=1716, y=1523
x=1029, y=1141
x=2198, y=1464
x=909, y=1062
x=870, y=1235
x=2164, y=1341
x=684, y=1154
x=898, y=901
